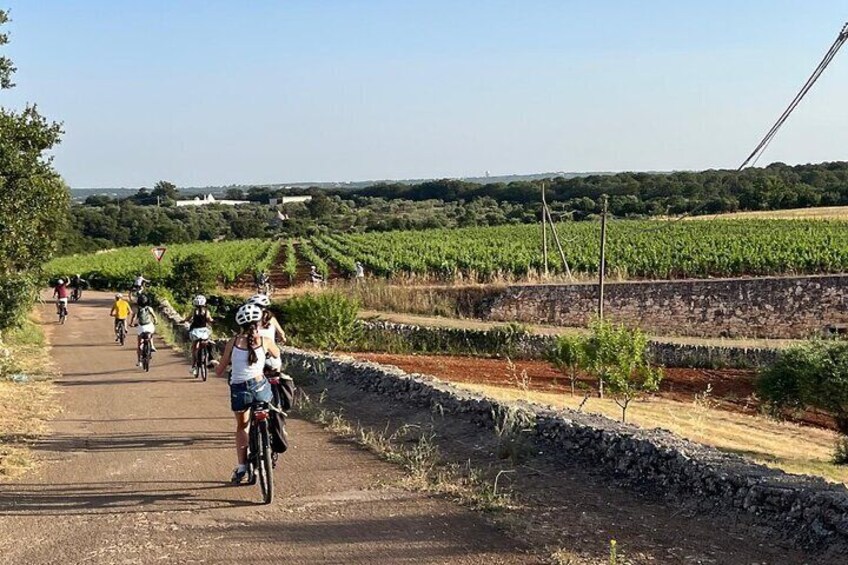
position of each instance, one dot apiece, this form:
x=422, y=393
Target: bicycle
x=121, y=331
x=146, y=351
x=62, y=311
x=260, y=467
x=202, y=361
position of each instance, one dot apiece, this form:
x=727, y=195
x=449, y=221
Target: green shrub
x=325, y=321
x=568, y=354
x=16, y=295
x=191, y=275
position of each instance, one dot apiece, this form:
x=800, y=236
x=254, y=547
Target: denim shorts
x=242, y=395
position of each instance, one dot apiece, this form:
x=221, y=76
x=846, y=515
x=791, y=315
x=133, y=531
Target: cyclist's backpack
x=276, y=427
x=144, y=316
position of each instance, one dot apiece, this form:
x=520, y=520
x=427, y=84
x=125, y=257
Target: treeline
x=150, y=216
x=102, y=222
x=775, y=187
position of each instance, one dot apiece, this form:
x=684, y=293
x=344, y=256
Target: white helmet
x=118, y=296
x=260, y=300
x=60, y=282
x=248, y=314
x=200, y=300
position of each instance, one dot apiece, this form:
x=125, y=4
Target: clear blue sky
x=207, y=92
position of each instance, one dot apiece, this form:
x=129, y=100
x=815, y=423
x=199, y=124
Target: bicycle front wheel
x=264, y=464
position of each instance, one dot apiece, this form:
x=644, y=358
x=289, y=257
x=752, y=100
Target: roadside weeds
x=27, y=395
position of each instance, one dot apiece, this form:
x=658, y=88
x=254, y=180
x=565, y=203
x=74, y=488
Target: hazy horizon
x=202, y=93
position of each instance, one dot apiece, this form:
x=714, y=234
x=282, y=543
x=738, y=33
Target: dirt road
x=135, y=470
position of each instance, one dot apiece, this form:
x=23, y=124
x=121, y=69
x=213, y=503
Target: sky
x=209, y=92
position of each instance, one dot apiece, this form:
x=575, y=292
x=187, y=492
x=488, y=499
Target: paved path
x=135, y=470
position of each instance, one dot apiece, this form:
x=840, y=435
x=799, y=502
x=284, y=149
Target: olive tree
x=811, y=375
x=568, y=354
x=618, y=357
x=33, y=198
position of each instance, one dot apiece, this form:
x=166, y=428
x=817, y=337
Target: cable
x=758, y=151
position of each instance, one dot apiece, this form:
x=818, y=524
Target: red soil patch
x=730, y=389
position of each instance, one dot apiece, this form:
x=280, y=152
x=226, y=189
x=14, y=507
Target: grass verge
x=790, y=447
x=28, y=402
x=414, y=450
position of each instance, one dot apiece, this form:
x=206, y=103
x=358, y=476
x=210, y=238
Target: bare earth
x=135, y=470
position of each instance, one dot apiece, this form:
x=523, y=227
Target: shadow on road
x=118, y=497
x=135, y=442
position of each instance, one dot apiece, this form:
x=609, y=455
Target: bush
x=191, y=275
x=812, y=375
x=16, y=296
x=325, y=321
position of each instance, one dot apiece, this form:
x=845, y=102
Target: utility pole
x=544, y=231
x=602, y=266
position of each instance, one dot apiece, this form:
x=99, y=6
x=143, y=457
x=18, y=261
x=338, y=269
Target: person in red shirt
x=60, y=293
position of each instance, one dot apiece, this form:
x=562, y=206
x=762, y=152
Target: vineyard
x=119, y=267
x=635, y=249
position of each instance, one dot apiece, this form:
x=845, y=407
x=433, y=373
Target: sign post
x=158, y=253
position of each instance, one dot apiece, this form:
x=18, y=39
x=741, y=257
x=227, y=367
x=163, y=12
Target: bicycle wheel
x=122, y=333
x=202, y=368
x=145, y=355
x=264, y=464
x=252, y=451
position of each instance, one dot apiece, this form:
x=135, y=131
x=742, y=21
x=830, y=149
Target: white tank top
x=243, y=370
x=268, y=333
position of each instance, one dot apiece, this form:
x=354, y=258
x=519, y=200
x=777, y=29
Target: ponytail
x=251, y=338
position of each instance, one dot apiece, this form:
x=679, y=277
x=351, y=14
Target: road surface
x=136, y=470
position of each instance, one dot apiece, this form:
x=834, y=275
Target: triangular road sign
x=159, y=252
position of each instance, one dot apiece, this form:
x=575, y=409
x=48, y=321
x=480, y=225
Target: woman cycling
x=199, y=330
x=145, y=319
x=269, y=327
x=246, y=352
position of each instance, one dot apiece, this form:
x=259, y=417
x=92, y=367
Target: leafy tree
x=33, y=197
x=191, y=275
x=617, y=356
x=812, y=375
x=568, y=354
x=166, y=192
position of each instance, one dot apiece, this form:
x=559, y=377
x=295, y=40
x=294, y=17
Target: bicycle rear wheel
x=122, y=333
x=202, y=369
x=145, y=355
x=264, y=465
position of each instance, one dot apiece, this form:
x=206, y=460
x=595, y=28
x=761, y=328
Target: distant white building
x=289, y=200
x=209, y=199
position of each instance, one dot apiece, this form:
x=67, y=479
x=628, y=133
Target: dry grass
x=793, y=448
x=24, y=407
x=820, y=213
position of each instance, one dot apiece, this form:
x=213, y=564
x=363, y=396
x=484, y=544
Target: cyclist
x=138, y=285
x=315, y=276
x=120, y=311
x=199, y=330
x=60, y=293
x=261, y=279
x=145, y=319
x=269, y=327
x=360, y=271
x=77, y=284
x=246, y=352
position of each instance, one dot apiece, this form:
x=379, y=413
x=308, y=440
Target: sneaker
x=152, y=348
x=193, y=371
x=238, y=475
x=138, y=364
x=274, y=457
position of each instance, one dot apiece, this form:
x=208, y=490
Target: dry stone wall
x=503, y=342
x=769, y=307
x=805, y=509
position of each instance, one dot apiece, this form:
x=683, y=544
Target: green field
x=118, y=267
x=635, y=249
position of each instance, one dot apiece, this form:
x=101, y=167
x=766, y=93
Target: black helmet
x=143, y=300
